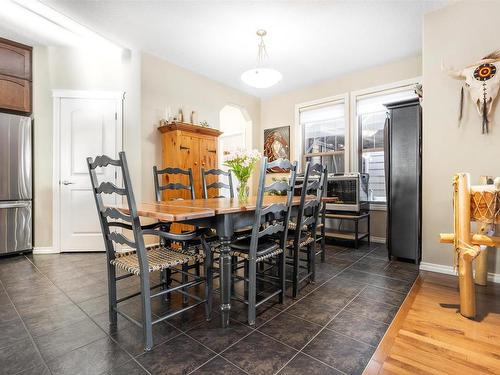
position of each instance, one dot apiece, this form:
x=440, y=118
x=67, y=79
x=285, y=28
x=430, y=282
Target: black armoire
x=403, y=167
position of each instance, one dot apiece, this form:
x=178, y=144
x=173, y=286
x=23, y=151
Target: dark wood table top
x=189, y=209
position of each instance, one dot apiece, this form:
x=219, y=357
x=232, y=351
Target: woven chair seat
x=159, y=258
x=293, y=225
x=268, y=249
x=305, y=240
x=260, y=258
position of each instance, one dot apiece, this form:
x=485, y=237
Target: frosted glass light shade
x=261, y=78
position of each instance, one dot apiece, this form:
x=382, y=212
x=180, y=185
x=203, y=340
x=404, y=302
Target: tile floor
x=54, y=320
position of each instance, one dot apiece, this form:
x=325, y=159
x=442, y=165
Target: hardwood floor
x=429, y=336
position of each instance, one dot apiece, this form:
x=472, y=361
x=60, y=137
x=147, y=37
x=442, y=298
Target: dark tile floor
x=54, y=320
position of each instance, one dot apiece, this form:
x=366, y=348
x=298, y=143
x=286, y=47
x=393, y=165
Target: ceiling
x=308, y=41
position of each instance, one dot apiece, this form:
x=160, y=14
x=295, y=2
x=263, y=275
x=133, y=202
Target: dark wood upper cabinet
x=15, y=94
x=15, y=59
x=15, y=76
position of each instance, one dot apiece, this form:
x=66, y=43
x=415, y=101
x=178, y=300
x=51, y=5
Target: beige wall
x=280, y=110
x=165, y=84
x=73, y=69
x=458, y=37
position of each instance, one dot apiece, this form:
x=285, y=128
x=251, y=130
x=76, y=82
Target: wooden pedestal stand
x=483, y=201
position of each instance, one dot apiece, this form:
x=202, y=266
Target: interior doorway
x=86, y=124
x=236, y=125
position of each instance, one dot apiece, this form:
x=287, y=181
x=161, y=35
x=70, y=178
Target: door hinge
x=116, y=115
x=116, y=175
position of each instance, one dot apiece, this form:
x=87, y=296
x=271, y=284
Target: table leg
x=225, y=279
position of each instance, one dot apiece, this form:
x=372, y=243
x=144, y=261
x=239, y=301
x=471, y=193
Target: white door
x=88, y=127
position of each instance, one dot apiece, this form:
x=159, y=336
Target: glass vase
x=243, y=191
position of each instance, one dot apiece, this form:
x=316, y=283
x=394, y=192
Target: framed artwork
x=277, y=144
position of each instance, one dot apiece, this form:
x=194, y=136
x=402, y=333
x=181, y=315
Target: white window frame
x=299, y=132
x=390, y=88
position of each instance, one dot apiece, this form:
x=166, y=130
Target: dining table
x=224, y=215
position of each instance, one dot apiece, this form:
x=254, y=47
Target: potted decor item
x=242, y=163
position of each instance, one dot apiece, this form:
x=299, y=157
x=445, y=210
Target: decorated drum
x=485, y=204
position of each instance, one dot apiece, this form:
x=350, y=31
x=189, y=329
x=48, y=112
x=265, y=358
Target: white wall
x=69, y=68
x=459, y=34
x=165, y=84
x=280, y=110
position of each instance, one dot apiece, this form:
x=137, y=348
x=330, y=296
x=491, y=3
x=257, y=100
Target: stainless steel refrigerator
x=16, y=229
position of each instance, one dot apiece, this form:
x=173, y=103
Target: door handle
x=67, y=183
x=14, y=204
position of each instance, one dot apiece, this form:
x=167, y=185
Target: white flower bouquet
x=242, y=163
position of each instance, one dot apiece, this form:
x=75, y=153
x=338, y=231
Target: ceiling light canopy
x=261, y=77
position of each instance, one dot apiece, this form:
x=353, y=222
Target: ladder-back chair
x=303, y=229
x=270, y=222
x=140, y=260
x=217, y=184
x=175, y=174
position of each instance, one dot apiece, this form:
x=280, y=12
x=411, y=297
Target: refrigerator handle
x=14, y=204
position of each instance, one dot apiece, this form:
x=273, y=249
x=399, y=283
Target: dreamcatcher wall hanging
x=481, y=80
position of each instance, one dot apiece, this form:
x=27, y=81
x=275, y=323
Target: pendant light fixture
x=261, y=77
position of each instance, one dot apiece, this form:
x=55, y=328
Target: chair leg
x=163, y=281
x=252, y=285
x=208, y=280
x=147, y=323
x=113, y=317
x=197, y=266
x=168, y=281
x=245, y=280
x=282, y=276
x=323, y=243
x=312, y=262
x=295, y=276
x=323, y=232
x=234, y=270
x=185, y=269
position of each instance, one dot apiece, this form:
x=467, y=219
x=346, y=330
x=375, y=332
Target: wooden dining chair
x=217, y=185
x=141, y=260
x=176, y=174
x=169, y=173
x=271, y=222
x=315, y=171
x=302, y=234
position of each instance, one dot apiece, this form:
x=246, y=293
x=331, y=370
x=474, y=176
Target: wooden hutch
x=188, y=146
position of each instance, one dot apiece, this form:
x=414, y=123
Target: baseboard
x=44, y=250
x=448, y=270
x=377, y=239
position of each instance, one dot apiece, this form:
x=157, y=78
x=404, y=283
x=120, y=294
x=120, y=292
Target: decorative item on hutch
x=242, y=163
x=194, y=117
x=482, y=80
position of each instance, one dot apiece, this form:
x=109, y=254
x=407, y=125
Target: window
x=323, y=129
x=371, y=116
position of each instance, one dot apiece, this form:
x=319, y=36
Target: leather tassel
x=460, y=113
x=485, y=117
